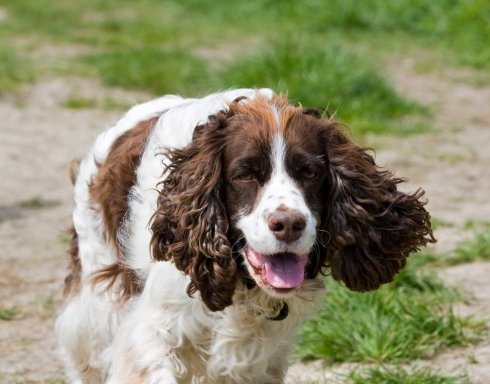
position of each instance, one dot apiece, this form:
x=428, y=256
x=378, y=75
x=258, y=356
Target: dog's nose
x=286, y=225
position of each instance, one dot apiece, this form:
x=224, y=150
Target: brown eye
x=309, y=174
x=246, y=177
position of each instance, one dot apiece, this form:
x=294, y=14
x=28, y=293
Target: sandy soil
x=39, y=137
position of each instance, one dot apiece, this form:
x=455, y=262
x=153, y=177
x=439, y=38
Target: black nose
x=287, y=226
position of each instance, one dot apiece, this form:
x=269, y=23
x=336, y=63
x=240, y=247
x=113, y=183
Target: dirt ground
x=39, y=137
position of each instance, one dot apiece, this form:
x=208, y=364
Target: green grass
x=320, y=76
x=8, y=313
x=440, y=223
x=325, y=75
x=472, y=225
x=155, y=70
x=107, y=103
x=39, y=202
x=323, y=55
x=390, y=375
x=424, y=257
x=98, y=23
x=14, y=69
x=411, y=318
x=461, y=28
x=47, y=306
x=477, y=248
x=80, y=103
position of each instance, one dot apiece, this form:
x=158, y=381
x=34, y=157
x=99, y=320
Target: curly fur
x=190, y=225
x=371, y=226
x=175, y=201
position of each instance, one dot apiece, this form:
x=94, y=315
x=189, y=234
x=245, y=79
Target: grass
x=477, y=248
x=323, y=56
x=407, y=319
x=14, y=69
x=461, y=28
x=396, y=375
x=46, y=306
x=80, y=103
x=411, y=318
x=440, y=223
x=324, y=75
x=472, y=225
x=106, y=103
x=155, y=70
x=318, y=76
x=39, y=202
x=7, y=314
x=423, y=258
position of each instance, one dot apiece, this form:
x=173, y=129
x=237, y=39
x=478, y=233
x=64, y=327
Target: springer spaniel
x=202, y=230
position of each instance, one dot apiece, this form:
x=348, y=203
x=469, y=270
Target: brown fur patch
x=109, y=193
x=72, y=281
x=269, y=115
x=74, y=169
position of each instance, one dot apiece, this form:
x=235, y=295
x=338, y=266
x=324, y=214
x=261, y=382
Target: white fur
x=163, y=335
x=87, y=325
x=281, y=190
x=173, y=130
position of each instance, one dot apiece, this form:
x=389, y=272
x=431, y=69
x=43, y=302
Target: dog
x=202, y=231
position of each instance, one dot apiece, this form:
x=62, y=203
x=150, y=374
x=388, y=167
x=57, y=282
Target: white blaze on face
x=280, y=264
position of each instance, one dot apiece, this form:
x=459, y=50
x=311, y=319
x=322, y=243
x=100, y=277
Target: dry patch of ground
x=38, y=138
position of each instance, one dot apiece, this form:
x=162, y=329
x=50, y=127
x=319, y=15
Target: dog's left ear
x=190, y=225
x=369, y=226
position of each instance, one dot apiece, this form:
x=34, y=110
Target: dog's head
x=272, y=192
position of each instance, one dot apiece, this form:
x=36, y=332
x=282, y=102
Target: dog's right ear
x=190, y=224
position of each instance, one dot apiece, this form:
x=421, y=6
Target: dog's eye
x=308, y=174
x=246, y=176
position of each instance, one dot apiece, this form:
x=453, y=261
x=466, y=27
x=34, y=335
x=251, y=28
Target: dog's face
x=275, y=191
x=275, y=172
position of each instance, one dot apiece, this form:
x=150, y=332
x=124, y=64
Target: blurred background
x=410, y=78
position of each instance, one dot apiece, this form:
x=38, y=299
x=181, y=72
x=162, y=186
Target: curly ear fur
x=190, y=225
x=371, y=227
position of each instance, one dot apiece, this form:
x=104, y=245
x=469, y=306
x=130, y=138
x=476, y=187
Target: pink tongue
x=284, y=270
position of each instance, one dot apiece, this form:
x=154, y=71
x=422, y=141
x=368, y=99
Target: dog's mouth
x=282, y=272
